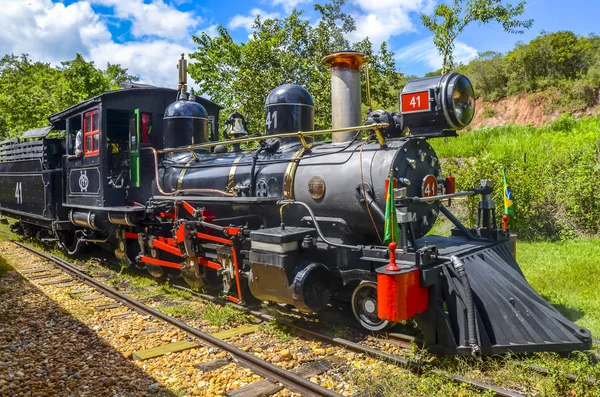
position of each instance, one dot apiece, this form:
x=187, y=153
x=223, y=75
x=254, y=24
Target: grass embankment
x=554, y=173
x=566, y=274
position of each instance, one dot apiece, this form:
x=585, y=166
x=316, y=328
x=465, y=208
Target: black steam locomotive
x=290, y=220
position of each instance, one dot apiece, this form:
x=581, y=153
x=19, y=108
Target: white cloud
x=246, y=21
x=155, y=62
x=289, y=5
x=155, y=18
x=52, y=32
x=423, y=51
x=48, y=31
x=381, y=19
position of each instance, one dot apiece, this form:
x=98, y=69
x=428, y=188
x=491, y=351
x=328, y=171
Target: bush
x=488, y=74
x=559, y=61
x=554, y=173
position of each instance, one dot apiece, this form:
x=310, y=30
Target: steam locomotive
x=285, y=218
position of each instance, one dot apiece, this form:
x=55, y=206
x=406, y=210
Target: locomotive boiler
x=288, y=218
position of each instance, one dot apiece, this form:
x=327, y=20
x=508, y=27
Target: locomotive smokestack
x=345, y=92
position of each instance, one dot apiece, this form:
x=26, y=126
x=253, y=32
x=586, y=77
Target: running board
x=510, y=316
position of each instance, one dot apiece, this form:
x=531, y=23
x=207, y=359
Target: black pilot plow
x=480, y=303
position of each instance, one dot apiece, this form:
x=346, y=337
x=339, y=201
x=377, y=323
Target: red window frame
x=89, y=131
x=146, y=127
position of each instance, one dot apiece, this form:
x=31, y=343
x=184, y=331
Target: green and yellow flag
x=509, y=205
x=392, y=230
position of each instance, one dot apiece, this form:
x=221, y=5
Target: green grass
x=221, y=315
x=281, y=331
x=4, y=266
x=167, y=288
x=567, y=274
x=554, y=173
x=191, y=310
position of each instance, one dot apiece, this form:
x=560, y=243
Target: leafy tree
x=488, y=73
x=239, y=76
x=447, y=22
x=549, y=58
x=117, y=75
x=31, y=91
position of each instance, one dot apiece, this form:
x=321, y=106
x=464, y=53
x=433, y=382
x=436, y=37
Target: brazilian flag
x=509, y=205
x=392, y=230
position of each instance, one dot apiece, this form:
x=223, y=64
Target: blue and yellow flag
x=509, y=205
x=392, y=230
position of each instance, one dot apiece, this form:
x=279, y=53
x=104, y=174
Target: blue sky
x=147, y=36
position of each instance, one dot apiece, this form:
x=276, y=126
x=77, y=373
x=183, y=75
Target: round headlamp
x=438, y=106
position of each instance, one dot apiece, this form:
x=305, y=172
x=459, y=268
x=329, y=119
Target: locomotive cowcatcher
x=285, y=218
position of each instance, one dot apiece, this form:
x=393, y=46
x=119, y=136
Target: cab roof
x=109, y=96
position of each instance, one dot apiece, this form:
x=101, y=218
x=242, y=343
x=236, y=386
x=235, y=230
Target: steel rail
x=269, y=371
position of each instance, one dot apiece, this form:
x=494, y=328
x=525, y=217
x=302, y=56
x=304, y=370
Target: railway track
x=378, y=354
x=401, y=340
x=288, y=379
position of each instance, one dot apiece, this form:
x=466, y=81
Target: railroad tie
x=238, y=331
x=42, y=276
x=120, y=315
x=91, y=297
x=176, y=347
x=37, y=270
x=266, y=387
x=107, y=306
x=59, y=281
x=151, y=330
x=158, y=351
x=213, y=364
x=79, y=291
x=70, y=284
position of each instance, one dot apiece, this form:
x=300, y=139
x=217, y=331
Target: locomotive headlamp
x=438, y=106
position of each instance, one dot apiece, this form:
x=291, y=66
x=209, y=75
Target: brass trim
x=231, y=179
x=380, y=137
x=182, y=174
x=298, y=134
x=290, y=172
x=304, y=143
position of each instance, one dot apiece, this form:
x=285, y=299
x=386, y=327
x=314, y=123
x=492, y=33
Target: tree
x=549, y=58
x=488, y=73
x=117, y=75
x=239, y=76
x=31, y=91
x=447, y=23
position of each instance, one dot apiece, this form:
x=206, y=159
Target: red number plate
x=429, y=188
x=415, y=102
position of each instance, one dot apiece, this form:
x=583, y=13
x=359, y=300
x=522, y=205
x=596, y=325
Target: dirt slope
x=524, y=109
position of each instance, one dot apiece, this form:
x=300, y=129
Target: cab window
x=91, y=133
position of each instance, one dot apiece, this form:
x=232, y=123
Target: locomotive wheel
x=155, y=270
x=195, y=283
x=364, y=307
x=208, y=281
